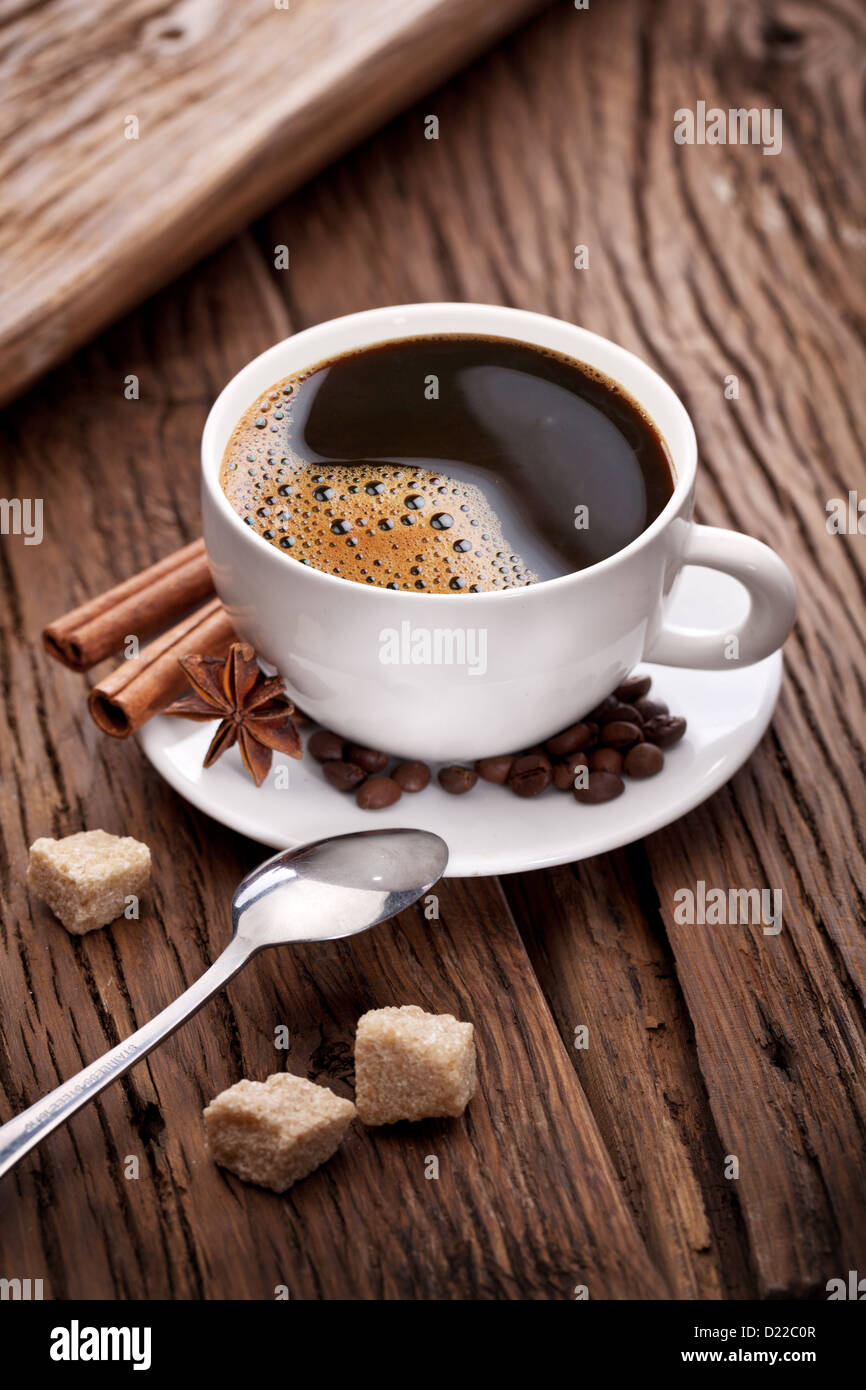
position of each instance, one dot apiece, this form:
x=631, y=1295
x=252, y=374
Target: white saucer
x=489, y=830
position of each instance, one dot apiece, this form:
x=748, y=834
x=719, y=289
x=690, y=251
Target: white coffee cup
x=457, y=677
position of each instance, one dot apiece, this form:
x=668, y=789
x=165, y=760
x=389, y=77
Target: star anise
x=253, y=709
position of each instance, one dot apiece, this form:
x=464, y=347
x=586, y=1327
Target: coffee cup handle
x=766, y=625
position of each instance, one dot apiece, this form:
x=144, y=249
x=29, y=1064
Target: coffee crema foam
x=395, y=526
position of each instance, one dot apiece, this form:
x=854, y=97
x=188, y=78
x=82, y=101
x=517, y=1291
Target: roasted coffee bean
x=650, y=709
x=325, y=746
x=457, y=780
x=576, y=760
x=633, y=687
x=563, y=776
x=530, y=774
x=565, y=772
x=666, y=730
x=607, y=760
x=367, y=758
x=412, y=777
x=343, y=776
x=575, y=737
x=620, y=734
x=644, y=760
x=596, y=716
x=495, y=769
x=377, y=793
x=602, y=786
x=622, y=712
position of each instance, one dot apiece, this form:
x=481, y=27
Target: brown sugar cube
x=275, y=1132
x=86, y=878
x=410, y=1065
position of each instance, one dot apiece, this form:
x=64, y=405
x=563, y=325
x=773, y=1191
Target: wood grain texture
x=235, y=104
x=705, y=1041
x=586, y=929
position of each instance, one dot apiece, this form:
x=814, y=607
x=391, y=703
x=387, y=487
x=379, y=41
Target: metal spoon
x=318, y=892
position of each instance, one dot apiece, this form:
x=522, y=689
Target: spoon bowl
x=336, y=887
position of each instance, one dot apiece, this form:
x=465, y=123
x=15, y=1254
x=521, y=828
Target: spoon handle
x=29, y=1128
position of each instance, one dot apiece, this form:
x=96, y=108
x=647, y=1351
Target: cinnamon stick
x=138, y=607
x=144, y=685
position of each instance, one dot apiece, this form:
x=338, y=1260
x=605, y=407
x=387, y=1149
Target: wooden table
x=603, y=1167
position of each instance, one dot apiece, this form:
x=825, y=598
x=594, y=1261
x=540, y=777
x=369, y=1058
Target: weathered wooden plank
x=778, y=1020
x=604, y=970
x=779, y=1028
x=234, y=103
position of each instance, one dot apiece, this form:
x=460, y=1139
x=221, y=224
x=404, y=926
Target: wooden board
x=604, y=1166
x=235, y=101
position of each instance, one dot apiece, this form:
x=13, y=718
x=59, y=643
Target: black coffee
x=450, y=464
